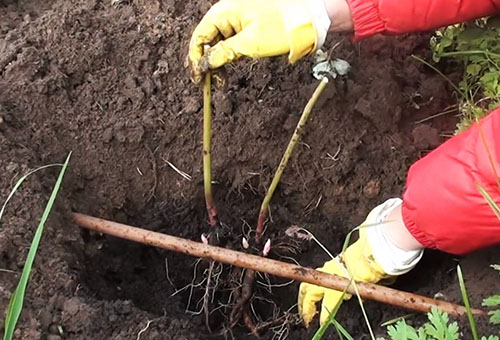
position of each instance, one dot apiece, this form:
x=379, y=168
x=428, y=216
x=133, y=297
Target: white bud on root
x=267, y=247
x=244, y=243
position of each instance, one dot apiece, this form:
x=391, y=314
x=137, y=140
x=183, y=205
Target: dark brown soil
x=107, y=82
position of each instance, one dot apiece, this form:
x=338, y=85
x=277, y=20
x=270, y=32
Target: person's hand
x=310, y=294
x=358, y=261
x=385, y=249
x=257, y=28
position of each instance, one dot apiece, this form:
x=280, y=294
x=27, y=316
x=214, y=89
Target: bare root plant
x=242, y=291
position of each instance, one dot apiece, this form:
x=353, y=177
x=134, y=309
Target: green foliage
x=493, y=301
x=17, y=299
x=491, y=337
x=465, y=297
x=438, y=328
x=476, y=47
x=18, y=184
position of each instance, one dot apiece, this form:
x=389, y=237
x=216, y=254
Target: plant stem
x=472, y=52
x=207, y=141
x=262, y=264
x=286, y=156
x=441, y=74
x=468, y=308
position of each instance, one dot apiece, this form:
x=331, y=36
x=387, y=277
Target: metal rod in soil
x=282, y=269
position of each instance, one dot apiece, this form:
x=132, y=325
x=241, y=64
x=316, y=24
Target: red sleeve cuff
x=409, y=218
x=366, y=17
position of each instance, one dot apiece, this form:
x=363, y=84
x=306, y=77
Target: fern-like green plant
x=493, y=301
x=438, y=328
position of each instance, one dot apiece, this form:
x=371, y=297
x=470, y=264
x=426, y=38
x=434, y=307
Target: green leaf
x=496, y=267
x=403, y=331
x=491, y=301
x=473, y=69
x=18, y=184
x=399, y=331
x=17, y=299
x=491, y=337
x=331, y=318
x=470, y=34
x=446, y=42
x=342, y=330
x=439, y=327
x=465, y=297
x=495, y=317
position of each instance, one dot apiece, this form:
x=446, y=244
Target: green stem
x=441, y=74
x=472, y=52
x=286, y=156
x=207, y=140
x=465, y=297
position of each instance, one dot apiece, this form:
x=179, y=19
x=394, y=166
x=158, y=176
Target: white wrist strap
x=393, y=260
x=321, y=20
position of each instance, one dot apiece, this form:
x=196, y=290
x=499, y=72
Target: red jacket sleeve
x=442, y=205
x=404, y=16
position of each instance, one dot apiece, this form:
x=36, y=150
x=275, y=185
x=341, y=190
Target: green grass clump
x=474, y=46
x=17, y=299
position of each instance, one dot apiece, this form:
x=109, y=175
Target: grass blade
x=17, y=299
x=488, y=152
x=322, y=330
x=342, y=330
x=465, y=297
x=18, y=184
x=489, y=199
x=441, y=74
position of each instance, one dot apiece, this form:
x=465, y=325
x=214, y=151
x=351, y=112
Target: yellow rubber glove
x=253, y=28
x=358, y=260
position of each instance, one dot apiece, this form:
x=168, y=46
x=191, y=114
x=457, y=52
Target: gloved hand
x=373, y=257
x=358, y=260
x=257, y=28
